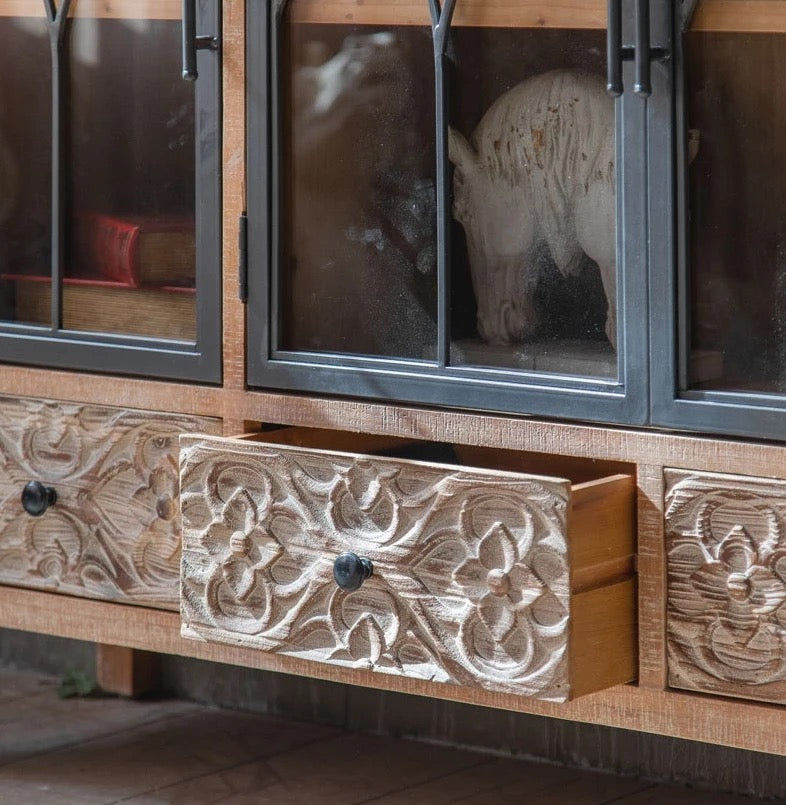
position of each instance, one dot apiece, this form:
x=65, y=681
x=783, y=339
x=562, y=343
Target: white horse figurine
x=539, y=169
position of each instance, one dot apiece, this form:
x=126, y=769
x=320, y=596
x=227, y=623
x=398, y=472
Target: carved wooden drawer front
x=726, y=539
x=113, y=531
x=488, y=579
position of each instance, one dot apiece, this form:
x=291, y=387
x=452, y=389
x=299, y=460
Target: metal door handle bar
x=614, y=48
x=643, y=83
x=192, y=43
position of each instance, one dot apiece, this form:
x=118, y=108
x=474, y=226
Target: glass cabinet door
x=109, y=238
x=25, y=149
x=728, y=360
x=434, y=196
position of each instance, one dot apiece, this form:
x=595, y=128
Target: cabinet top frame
x=744, y=16
x=101, y=9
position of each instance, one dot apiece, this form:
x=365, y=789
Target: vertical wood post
x=125, y=671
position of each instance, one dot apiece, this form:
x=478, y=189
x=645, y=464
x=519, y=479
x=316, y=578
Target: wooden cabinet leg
x=125, y=671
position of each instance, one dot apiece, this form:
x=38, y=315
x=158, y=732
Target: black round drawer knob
x=37, y=498
x=350, y=571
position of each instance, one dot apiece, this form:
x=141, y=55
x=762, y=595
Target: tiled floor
x=91, y=751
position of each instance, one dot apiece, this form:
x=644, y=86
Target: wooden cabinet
x=670, y=579
x=486, y=579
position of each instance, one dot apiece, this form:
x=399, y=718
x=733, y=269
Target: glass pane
x=357, y=225
x=130, y=259
x=736, y=145
x=25, y=165
x=534, y=238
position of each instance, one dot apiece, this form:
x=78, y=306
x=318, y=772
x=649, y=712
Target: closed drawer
x=487, y=579
x=113, y=531
x=726, y=542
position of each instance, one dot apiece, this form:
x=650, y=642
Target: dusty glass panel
x=357, y=219
x=736, y=227
x=25, y=160
x=534, y=239
x=129, y=264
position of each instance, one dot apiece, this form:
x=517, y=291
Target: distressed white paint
x=539, y=169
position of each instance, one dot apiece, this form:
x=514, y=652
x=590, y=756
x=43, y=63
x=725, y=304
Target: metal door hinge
x=242, y=257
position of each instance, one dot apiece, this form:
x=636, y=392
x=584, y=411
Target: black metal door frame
x=624, y=401
x=54, y=347
x=674, y=405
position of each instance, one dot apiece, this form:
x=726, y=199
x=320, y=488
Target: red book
x=135, y=250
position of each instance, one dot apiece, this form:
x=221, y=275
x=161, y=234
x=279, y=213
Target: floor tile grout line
x=260, y=759
x=483, y=762
x=87, y=740
x=623, y=797
x=572, y=774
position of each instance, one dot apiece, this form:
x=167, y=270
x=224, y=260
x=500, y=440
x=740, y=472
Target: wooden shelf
x=100, y=9
x=741, y=16
x=480, y=13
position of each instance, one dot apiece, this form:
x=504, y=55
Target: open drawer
x=485, y=578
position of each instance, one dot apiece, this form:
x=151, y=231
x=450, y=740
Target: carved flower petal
x=366, y=640
x=265, y=548
x=778, y=564
x=241, y=578
x=239, y=512
x=497, y=616
x=525, y=586
x=471, y=577
x=767, y=591
x=216, y=539
x=738, y=551
x=162, y=481
x=363, y=484
x=711, y=581
x=195, y=511
x=497, y=549
x=548, y=610
x=686, y=557
x=549, y=566
x=744, y=650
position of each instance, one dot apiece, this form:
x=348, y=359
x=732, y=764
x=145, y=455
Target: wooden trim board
x=479, y=13
x=701, y=718
x=100, y=9
x=595, y=442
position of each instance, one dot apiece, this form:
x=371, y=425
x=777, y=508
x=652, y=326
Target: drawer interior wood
x=577, y=470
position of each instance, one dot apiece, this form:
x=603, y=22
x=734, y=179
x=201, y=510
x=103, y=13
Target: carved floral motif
x=114, y=530
x=470, y=581
x=727, y=584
